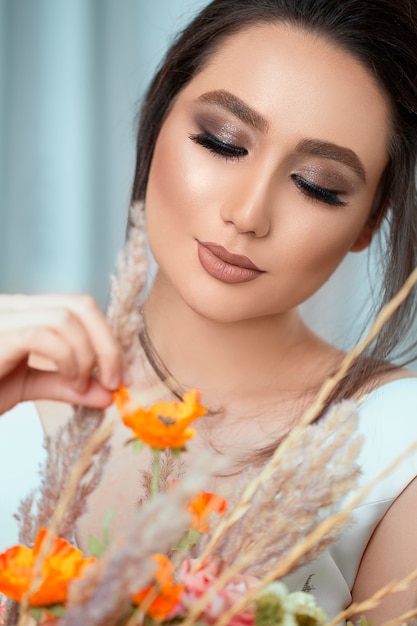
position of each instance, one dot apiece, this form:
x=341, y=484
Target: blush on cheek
x=174, y=180
x=163, y=175
x=319, y=257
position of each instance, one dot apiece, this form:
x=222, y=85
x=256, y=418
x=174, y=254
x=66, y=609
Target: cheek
x=165, y=184
x=179, y=180
x=309, y=249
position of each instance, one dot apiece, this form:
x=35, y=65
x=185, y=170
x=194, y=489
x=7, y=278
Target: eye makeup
x=221, y=137
x=316, y=192
x=217, y=146
x=328, y=183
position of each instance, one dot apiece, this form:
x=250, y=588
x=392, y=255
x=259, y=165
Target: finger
x=27, y=326
x=107, y=350
x=52, y=386
x=66, y=325
x=18, y=344
x=105, y=346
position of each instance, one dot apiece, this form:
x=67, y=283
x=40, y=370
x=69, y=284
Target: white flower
x=277, y=588
x=301, y=604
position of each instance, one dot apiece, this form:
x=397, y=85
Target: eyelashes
x=231, y=152
x=217, y=146
x=328, y=196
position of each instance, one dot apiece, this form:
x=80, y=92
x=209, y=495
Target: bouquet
x=186, y=556
x=213, y=572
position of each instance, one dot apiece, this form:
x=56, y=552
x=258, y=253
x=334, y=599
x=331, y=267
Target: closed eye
x=219, y=147
x=315, y=192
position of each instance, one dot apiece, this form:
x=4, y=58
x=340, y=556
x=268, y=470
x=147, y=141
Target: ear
x=365, y=236
x=373, y=222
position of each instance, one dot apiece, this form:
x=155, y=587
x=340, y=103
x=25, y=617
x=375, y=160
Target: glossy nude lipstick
x=225, y=266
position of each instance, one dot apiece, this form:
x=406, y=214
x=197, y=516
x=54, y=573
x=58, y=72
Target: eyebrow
x=314, y=147
x=237, y=107
x=327, y=150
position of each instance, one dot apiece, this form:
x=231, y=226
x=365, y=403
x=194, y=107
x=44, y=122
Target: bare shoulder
x=385, y=376
x=390, y=555
x=327, y=359
x=397, y=373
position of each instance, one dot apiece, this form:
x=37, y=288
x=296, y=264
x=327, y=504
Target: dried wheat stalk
x=63, y=453
x=405, y=618
x=103, y=597
x=321, y=531
x=327, y=525
x=128, y=285
x=93, y=445
x=312, y=478
x=373, y=601
x=312, y=412
x=85, y=436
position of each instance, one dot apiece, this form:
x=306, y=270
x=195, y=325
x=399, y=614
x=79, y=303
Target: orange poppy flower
x=201, y=507
x=163, y=594
x=61, y=566
x=164, y=424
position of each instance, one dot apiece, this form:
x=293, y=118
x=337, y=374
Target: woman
x=277, y=136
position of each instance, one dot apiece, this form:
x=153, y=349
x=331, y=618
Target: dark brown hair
x=382, y=35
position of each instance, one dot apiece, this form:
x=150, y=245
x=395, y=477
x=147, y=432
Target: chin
x=222, y=309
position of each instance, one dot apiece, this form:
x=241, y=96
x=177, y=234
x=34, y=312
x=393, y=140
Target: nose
x=247, y=208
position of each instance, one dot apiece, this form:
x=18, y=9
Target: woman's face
x=265, y=173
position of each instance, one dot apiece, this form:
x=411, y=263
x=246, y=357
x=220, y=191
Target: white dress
x=388, y=421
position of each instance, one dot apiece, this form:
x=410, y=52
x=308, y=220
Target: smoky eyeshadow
x=329, y=176
x=214, y=122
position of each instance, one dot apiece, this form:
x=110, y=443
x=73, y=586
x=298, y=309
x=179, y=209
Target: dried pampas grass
x=257, y=536
x=314, y=474
x=128, y=285
x=65, y=448
x=171, y=469
x=102, y=597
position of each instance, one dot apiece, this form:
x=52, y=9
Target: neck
x=226, y=360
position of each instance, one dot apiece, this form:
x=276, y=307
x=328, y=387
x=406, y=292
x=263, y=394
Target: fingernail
x=114, y=383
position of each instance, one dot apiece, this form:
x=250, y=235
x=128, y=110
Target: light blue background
x=72, y=73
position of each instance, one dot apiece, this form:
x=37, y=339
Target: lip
x=224, y=265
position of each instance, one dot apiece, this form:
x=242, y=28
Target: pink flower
x=199, y=579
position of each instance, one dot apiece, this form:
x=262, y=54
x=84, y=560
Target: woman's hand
x=72, y=336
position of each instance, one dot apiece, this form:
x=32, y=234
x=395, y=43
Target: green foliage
x=268, y=610
x=189, y=540
x=305, y=620
x=57, y=610
x=97, y=547
x=362, y=621
x=36, y=613
x=136, y=443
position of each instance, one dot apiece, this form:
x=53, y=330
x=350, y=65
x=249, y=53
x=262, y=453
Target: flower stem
x=155, y=475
